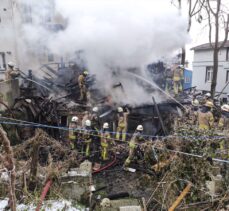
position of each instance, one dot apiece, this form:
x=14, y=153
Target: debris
x=181, y=196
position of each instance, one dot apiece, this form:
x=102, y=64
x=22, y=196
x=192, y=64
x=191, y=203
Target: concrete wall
x=204, y=58
x=9, y=90
x=7, y=35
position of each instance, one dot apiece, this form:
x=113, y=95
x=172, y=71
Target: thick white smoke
x=119, y=34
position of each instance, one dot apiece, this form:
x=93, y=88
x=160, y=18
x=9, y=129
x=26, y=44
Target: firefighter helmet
x=11, y=64
x=85, y=72
x=88, y=122
x=209, y=104
x=225, y=107
x=75, y=119
x=195, y=102
x=208, y=94
x=120, y=109
x=105, y=125
x=140, y=128
x=95, y=109
x=105, y=203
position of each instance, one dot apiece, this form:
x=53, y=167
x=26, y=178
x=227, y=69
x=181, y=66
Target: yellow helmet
x=209, y=104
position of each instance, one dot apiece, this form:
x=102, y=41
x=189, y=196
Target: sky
x=199, y=33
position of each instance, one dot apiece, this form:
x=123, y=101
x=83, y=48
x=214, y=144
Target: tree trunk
x=215, y=51
x=215, y=72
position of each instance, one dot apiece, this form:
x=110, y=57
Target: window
x=2, y=61
x=209, y=74
x=227, y=76
x=227, y=54
x=187, y=79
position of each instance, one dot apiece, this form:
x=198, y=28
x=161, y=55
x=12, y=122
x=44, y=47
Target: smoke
x=114, y=35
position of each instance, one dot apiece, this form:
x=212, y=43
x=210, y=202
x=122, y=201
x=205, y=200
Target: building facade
x=203, y=68
x=14, y=16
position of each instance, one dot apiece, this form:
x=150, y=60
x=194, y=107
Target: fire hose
x=107, y=166
x=49, y=182
x=44, y=193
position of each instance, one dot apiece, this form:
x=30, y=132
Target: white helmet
x=120, y=109
x=195, y=102
x=11, y=64
x=95, y=109
x=208, y=94
x=225, y=108
x=88, y=122
x=105, y=125
x=140, y=128
x=105, y=203
x=75, y=119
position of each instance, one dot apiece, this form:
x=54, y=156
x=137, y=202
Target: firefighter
x=224, y=120
x=95, y=126
x=82, y=86
x=10, y=72
x=194, y=112
x=122, y=123
x=95, y=122
x=72, y=134
x=134, y=142
x=105, y=141
x=177, y=79
x=205, y=116
x=207, y=97
x=87, y=138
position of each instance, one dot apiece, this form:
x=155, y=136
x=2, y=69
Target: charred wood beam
x=159, y=116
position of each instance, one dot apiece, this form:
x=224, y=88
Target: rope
x=83, y=130
x=111, y=132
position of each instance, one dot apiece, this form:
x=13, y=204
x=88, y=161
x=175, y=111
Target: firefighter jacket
x=224, y=121
x=105, y=138
x=177, y=74
x=11, y=74
x=122, y=119
x=81, y=81
x=135, y=140
x=95, y=123
x=205, y=119
x=72, y=134
x=87, y=136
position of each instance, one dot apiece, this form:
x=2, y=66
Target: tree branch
x=226, y=33
x=210, y=8
x=210, y=27
x=201, y=6
x=194, y=7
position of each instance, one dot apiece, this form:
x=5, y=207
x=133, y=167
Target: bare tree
x=8, y=162
x=215, y=18
x=194, y=8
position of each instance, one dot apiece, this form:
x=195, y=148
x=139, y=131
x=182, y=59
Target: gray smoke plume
x=114, y=35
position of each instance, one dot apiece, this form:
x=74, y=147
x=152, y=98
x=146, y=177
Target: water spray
x=157, y=87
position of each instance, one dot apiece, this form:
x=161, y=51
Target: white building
x=14, y=14
x=203, y=68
